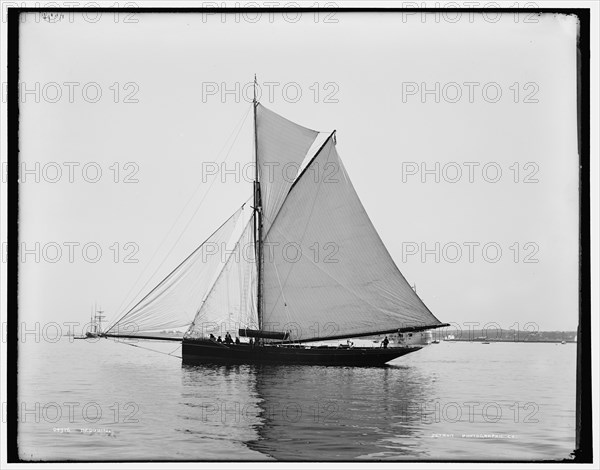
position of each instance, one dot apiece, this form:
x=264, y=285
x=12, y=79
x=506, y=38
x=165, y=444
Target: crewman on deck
x=385, y=342
x=212, y=337
x=228, y=339
x=219, y=340
x=237, y=340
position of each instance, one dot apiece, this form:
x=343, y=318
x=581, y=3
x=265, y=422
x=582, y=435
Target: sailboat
x=298, y=267
x=96, y=318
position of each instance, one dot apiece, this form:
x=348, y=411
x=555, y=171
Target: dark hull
x=210, y=352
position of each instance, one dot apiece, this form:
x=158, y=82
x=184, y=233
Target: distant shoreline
x=505, y=341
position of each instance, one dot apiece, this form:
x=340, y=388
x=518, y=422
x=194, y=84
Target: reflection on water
x=449, y=401
x=219, y=401
x=325, y=413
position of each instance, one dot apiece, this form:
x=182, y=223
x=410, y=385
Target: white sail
x=173, y=303
x=231, y=302
x=326, y=271
x=282, y=146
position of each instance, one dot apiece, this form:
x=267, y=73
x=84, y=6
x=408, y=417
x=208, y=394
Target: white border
x=594, y=223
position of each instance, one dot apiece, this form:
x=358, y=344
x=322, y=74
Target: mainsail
x=281, y=147
x=326, y=271
x=322, y=270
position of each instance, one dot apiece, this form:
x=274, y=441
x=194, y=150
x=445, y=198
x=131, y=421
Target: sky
x=459, y=135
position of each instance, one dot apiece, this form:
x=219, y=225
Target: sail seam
x=402, y=309
x=211, y=290
x=331, y=277
x=303, y=234
x=345, y=173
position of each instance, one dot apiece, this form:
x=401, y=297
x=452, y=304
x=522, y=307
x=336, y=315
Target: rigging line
x=285, y=304
x=239, y=127
x=190, y=218
x=153, y=350
x=178, y=266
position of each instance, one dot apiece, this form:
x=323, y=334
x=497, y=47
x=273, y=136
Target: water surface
x=104, y=400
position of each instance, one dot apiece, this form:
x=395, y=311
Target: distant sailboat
x=266, y=283
x=96, y=318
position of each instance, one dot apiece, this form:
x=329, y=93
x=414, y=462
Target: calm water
x=105, y=400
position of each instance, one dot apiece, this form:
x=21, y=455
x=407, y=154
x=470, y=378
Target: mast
x=257, y=217
x=99, y=318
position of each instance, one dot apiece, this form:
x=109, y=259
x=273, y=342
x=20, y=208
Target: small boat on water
x=94, y=328
x=268, y=287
